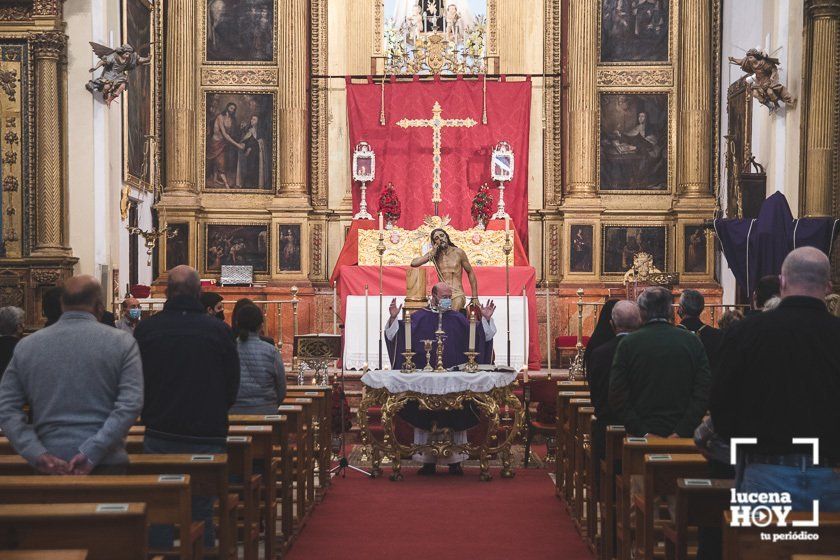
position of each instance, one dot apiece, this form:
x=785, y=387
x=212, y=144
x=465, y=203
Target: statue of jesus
x=450, y=263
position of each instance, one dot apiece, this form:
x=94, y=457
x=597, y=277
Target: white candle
x=472, y=330
x=380, y=220
x=507, y=224
x=408, y=331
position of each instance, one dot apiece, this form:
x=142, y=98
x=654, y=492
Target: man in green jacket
x=660, y=379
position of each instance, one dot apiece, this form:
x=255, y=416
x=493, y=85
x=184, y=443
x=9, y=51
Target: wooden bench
x=561, y=464
x=583, y=446
x=573, y=475
x=661, y=471
x=322, y=430
x=609, y=466
x=745, y=543
x=305, y=457
x=298, y=445
x=208, y=477
x=700, y=502
x=633, y=453
x=107, y=531
x=241, y=466
x=167, y=499
x=43, y=555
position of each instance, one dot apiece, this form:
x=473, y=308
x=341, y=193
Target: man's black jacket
x=190, y=370
x=709, y=336
x=598, y=375
x=778, y=377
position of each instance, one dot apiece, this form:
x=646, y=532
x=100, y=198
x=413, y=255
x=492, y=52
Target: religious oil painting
x=137, y=105
x=416, y=24
x=634, y=142
x=694, y=247
x=580, y=248
x=239, y=138
x=289, y=258
x=244, y=245
x=622, y=243
x=240, y=30
x=177, y=246
x=634, y=31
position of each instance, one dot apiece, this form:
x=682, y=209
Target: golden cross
x=436, y=123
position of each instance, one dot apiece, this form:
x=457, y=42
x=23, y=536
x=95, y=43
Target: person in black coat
x=691, y=306
x=11, y=329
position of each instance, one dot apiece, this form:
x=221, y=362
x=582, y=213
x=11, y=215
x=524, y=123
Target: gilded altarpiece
x=33, y=252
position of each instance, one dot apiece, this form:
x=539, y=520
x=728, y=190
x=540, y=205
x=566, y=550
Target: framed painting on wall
x=695, y=249
x=138, y=119
x=634, y=31
x=178, y=246
x=581, y=249
x=621, y=242
x=289, y=247
x=236, y=244
x=239, y=137
x=634, y=130
x=240, y=31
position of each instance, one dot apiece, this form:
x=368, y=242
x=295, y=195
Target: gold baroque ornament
x=483, y=247
x=16, y=12
x=46, y=7
x=49, y=44
x=643, y=78
x=45, y=277
x=239, y=76
x=488, y=405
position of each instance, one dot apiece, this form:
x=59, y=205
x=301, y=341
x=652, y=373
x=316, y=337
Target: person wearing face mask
x=213, y=306
x=424, y=323
x=131, y=313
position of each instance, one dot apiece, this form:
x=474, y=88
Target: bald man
x=191, y=372
x=778, y=378
x=84, y=383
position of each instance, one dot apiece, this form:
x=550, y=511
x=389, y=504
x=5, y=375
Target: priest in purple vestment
x=424, y=323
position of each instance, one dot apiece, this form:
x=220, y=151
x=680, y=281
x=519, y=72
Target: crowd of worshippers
x=86, y=378
x=772, y=373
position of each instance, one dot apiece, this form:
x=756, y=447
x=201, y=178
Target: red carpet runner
x=440, y=518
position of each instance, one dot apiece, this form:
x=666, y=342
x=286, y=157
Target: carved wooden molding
x=239, y=76
x=622, y=77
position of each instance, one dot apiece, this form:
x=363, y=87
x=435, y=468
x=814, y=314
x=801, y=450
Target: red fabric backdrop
x=404, y=156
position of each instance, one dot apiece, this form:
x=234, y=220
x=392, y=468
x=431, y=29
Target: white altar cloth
x=354, y=332
x=437, y=383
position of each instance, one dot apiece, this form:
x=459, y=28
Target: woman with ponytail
x=262, y=380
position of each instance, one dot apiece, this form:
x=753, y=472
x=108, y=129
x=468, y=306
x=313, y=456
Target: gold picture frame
x=672, y=42
x=135, y=143
x=204, y=253
x=203, y=28
x=662, y=260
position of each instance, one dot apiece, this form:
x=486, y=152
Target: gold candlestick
x=440, y=335
x=427, y=345
x=472, y=365
x=408, y=362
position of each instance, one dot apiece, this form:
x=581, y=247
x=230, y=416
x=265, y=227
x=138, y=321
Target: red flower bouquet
x=482, y=205
x=389, y=204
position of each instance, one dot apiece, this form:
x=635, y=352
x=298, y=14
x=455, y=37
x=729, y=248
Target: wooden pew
x=241, y=465
x=745, y=543
x=43, y=555
x=661, y=471
x=322, y=431
x=167, y=499
x=582, y=479
x=208, y=477
x=590, y=467
x=305, y=458
x=700, y=502
x=561, y=464
x=614, y=439
x=107, y=531
x=572, y=475
x=297, y=447
x=633, y=453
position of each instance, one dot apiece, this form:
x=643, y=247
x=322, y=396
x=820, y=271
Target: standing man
x=213, y=306
x=131, y=313
x=450, y=263
x=191, y=372
x=691, y=306
x=659, y=380
x=777, y=379
x=84, y=383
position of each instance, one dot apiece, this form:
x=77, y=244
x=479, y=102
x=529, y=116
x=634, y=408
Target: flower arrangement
x=482, y=205
x=389, y=204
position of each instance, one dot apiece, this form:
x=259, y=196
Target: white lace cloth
x=432, y=383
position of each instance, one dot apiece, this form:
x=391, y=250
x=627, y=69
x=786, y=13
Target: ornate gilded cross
x=436, y=123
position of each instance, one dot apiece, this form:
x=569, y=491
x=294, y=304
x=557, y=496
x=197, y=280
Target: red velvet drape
x=404, y=156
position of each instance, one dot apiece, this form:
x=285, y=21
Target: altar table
x=491, y=285
x=490, y=391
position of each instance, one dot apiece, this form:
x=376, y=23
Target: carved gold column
x=47, y=48
x=695, y=98
x=583, y=97
x=293, y=88
x=822, y=98
x=179, y=113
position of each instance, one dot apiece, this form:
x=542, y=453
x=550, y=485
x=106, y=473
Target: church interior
x=434, y=214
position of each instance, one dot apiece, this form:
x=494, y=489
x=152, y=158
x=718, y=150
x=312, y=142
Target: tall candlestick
x=380, y=221
x=472, y=329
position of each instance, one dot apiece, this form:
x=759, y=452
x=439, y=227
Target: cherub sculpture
x=764, y=78
x=115, y=64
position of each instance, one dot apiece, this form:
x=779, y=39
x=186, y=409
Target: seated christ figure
x=424, y=323
x=450, y=262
